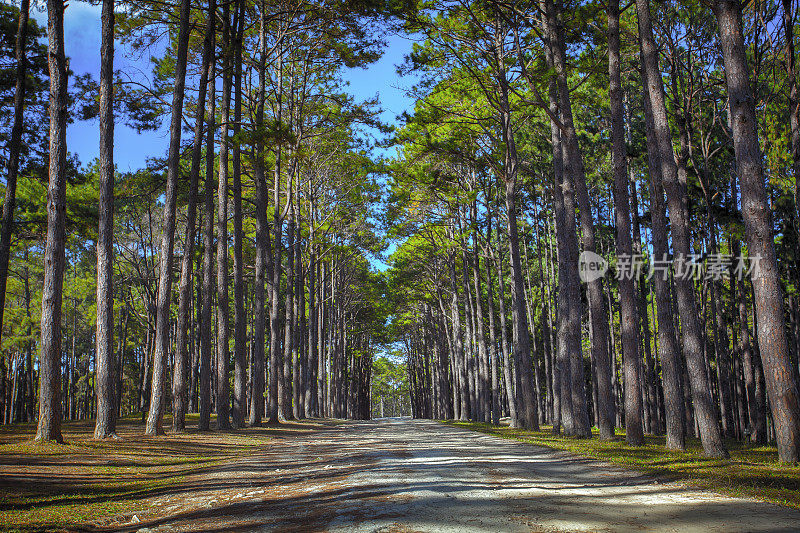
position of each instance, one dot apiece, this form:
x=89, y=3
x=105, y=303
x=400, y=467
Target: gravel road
x=400, y=475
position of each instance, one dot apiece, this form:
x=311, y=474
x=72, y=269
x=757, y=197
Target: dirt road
x=403, y=476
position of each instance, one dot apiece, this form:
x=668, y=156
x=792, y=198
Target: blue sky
x=131, y=149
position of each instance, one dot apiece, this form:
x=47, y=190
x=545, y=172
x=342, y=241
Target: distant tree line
x=231, y=276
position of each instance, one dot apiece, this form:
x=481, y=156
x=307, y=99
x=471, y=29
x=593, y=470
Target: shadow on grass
x=752, y=470
x=51, y=485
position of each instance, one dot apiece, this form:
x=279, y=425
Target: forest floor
x=394, y=475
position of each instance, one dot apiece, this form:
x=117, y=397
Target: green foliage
x=390, y=392
x=34, y=137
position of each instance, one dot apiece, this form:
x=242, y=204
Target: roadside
x=50, y=486
x=752, y=471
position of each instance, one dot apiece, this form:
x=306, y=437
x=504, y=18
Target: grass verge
x=55, y=487
x=752, y=471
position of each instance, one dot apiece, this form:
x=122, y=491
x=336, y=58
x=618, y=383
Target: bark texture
x=180, y=393
x=158, y=398
x=782, y=388
x=105, y=424
x=49, y=428
x=627, y=290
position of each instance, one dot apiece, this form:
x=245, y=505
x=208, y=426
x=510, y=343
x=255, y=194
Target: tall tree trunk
x=288, y=323
x=458, y=337
x=300, y=362
x=650, y=377
x=4, y=403
x=262, y=244
x=16, y=363
x=311, y=382
x=223, y=350
x=668, y=348
x=482, y=349
x=756, y=409
x=49, y=428
x=123, y=355
x=180, y=393
x=782, y=387
x=30, y=397
x=239, y=317
x=569, y=312
x=105, y=424
x=204, y=382
x=627, y=290
x=544, y=287
x=14, y=147
x=568, y=347
x=161, y=348
x=521, y=340
x=557, y=201
x=721, y=345
x=298, y=331
x=574, y=171
x=322, y=307
x=492, y=335
x=569, y=325
x=469, y=334
x=196, y=314
x=277, y=228
x=676, y=196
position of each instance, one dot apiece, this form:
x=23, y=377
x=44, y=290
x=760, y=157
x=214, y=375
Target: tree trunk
x=312, y=383
x=721, y=344
x=668, y=348
x=492, y=336
x=574, y=171
x=463, y=389
x=105, y=424
x=49, y=428
x=262, y=249
x=666, y=177
x=239, y=317
x=782, y=387
x=223, y=350
x=627, y=290
x=14, y=146
x=650, y=378
x=288, y=323
x=301, y=360
x=322, y=307
x=180, y=393
x=756, y=409
x=204, y=385
x=123, y=355
x=470, y=348
x=161, y=348
x=298, y=330
x=277, y=228
x=521, y=339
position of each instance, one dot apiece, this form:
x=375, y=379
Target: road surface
x=408, y=476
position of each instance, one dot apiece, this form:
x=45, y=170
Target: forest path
x=399, y=475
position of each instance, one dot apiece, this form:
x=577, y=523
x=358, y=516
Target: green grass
x=47, y=487
x=752, y=471
x=36, y=512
